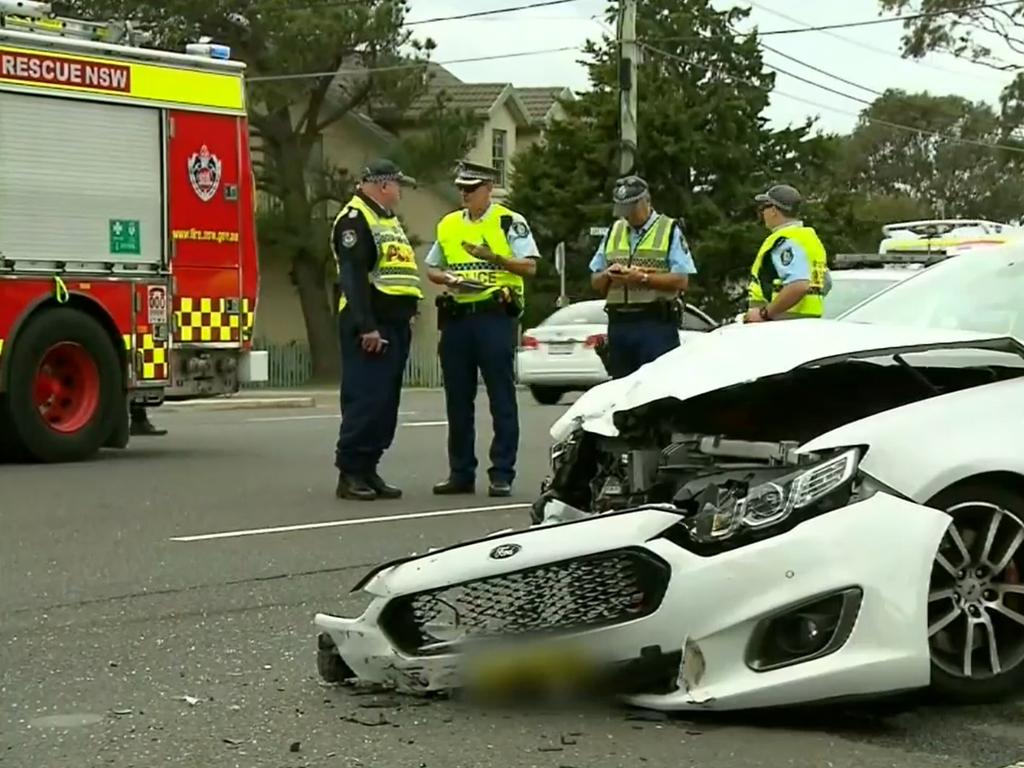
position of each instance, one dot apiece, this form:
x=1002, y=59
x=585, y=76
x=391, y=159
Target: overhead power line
x=897, y=126
x=492, y=12
x=889, y=20
x=821, y=71
x=399, y=67
x=872, y=48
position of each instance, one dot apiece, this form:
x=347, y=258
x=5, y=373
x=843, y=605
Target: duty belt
x=669, y=312
x=449, y=309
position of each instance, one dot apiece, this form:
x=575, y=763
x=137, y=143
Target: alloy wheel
x=976, y=599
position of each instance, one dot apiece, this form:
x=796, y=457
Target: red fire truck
x=128, y=261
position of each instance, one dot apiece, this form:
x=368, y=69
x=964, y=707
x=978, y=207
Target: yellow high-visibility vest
x=395, y=273
x=651, y=255
x=456, y=228
x=813, y=302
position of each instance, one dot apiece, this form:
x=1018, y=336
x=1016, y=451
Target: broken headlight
x=724, y=512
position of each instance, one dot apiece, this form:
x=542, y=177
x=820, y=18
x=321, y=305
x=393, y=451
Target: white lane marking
x=311, y=418
x=351, y=521
x=425, y=424
x=1016, y=765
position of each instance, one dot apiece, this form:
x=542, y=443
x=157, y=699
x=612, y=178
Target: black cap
x=782, y=196
x=383, y=169
x=473, y=174
x=627, y=191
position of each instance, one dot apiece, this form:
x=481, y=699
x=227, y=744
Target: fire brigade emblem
x=204, y=171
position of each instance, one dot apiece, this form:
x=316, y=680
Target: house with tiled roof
x=510, y=119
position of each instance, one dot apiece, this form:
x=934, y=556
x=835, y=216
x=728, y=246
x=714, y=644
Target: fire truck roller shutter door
x=81, y=181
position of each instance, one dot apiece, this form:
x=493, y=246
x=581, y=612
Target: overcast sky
x=868, y=56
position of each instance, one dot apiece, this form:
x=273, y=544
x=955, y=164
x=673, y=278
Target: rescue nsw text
x=57, y=70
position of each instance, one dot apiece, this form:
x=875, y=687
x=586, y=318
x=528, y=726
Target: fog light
x=804, y=632
x=801, y=635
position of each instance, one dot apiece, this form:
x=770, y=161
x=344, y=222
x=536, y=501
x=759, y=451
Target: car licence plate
x=560, y=348
x=501, y=672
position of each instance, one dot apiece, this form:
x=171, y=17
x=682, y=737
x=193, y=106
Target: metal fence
x=291, y=366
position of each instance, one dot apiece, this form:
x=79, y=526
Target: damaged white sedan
x=773, y=514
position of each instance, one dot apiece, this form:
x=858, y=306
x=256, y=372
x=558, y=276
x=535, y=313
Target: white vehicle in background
x=560, y=354
x=858, y=277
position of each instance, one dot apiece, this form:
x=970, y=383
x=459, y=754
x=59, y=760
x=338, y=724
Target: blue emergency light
x=211, y=50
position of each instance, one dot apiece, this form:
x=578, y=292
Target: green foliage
x=964, y=29
x=703, y=147
x=945, y=169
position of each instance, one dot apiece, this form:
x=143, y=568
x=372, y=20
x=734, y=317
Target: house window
x=499, y=153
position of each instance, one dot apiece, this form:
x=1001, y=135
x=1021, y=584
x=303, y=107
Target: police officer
x=379, y=289
x=642, y=267
x=141, y=426
x=481, y=255
x=789, y=277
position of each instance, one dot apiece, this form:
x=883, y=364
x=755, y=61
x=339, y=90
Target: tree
x=948, y=166
x=966, y=30
x=704, y=146
x=286, y=40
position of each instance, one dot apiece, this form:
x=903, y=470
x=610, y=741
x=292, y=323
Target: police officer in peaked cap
x=481, y=255
x=789, y=277
x=379, y=289
x=642, y=267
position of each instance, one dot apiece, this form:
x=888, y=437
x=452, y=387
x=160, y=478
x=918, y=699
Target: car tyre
x=546, y=395
x=976, y=596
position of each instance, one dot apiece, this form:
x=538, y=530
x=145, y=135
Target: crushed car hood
x=738, y=354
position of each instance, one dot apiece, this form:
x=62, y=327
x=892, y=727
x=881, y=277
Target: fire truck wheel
x=64, y=386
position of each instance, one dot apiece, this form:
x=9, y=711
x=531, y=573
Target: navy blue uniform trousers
x=371, y=387
x=634, y=343
x=485, y=341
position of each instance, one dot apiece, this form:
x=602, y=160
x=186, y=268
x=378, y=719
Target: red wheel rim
x=67, y=387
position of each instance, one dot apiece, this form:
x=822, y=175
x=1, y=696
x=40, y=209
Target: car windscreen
x=977, y=291
x=848, y=292
x=584, y=313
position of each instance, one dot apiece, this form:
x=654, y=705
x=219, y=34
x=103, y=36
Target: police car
x=906, y=248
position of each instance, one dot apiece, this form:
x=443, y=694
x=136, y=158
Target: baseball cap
x=782, y=196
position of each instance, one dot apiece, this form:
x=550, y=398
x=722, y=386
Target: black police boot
x=451, y=487
x=500, y=488
x=354, y=487
x=143, y=427
x=382, y=489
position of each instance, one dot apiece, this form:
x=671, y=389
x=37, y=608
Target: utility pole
x=629, y=54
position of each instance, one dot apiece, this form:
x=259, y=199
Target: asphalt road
x=127, y=641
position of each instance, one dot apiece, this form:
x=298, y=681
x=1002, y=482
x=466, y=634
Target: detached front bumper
x=874, y=557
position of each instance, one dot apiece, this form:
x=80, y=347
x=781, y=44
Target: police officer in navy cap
x=789, y=277
x=482, y=253
x=642, y=267
x=379, y=289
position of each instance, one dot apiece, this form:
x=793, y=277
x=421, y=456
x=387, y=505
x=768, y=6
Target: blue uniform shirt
x=680, y=260
x=791, y=260
x=523, y=246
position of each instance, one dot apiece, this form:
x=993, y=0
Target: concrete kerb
x=244, y=403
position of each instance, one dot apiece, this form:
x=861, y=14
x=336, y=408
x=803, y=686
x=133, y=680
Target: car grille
x=573, y=595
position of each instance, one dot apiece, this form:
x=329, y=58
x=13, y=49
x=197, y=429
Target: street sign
x=560, y=258
x=125, y=237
